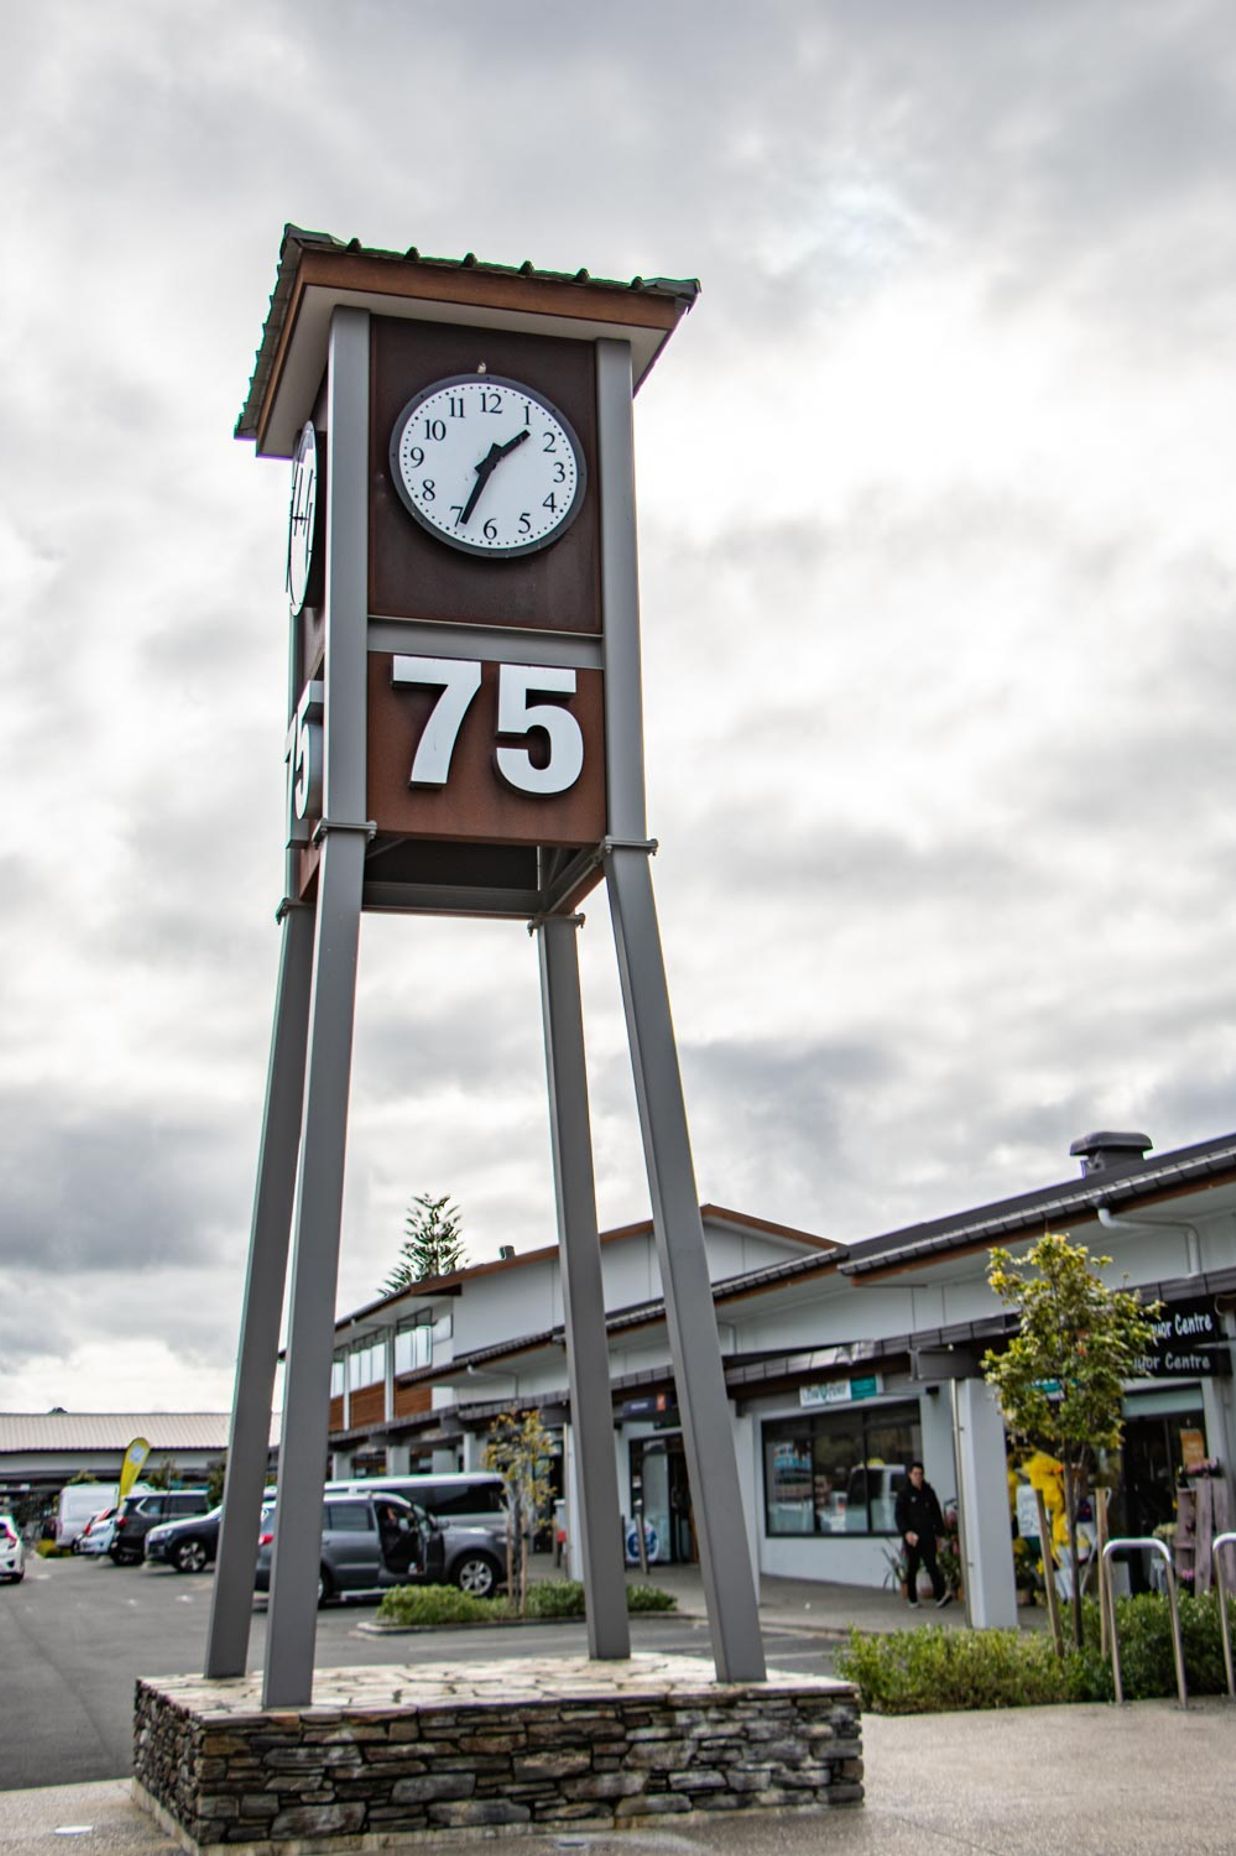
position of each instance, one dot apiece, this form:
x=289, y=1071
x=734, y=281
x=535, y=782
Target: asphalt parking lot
x=77, y=1633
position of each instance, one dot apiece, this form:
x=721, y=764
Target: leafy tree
x=519, y=1450
x=432, y=1243
x=216, y=1476
x=1060, y=1380
x=162, y=1476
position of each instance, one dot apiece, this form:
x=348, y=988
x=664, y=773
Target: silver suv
x=371, y=1542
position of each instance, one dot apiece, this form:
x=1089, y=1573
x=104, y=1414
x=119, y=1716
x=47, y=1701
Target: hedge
x=547, y=1598
x=934, y=1670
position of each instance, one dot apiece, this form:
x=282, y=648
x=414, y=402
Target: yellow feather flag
x=134, y=1461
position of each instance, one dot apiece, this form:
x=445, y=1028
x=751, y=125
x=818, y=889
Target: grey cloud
x=97, y=1188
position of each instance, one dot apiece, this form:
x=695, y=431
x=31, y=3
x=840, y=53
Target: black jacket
x=917, y=1511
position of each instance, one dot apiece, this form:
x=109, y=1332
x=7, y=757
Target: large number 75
x=459, y=679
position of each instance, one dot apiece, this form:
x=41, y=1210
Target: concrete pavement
x=1147, y=1780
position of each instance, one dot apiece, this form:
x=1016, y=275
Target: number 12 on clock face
x=521, y=716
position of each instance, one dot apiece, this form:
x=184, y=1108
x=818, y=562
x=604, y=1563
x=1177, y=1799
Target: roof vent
x=1106, y=1152
x=505, y=1252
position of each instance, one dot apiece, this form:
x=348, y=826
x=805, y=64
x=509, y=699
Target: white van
x=77, y=1503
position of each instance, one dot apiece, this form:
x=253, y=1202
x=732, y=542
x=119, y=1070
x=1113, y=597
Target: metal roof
x=579, y=303
x=1187, y=1169
x=75, y=1431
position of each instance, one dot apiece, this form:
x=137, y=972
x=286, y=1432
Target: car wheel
x=477, y=1575
x=326, y=1587
x=190, y=1556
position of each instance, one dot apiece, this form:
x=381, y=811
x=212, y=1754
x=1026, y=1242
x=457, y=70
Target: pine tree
x=432, y=1243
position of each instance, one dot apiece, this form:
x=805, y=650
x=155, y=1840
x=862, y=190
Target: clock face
x=301, y=516
x=487, y=465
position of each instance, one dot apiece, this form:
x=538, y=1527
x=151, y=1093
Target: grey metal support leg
x=292, y=1619
x=599, y=1523
x=729, y=1585
x=231, y=1607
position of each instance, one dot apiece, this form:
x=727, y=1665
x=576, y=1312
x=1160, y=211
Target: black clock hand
x=485, y=470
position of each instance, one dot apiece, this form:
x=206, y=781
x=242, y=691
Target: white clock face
x=487, y=465
x=301, y=517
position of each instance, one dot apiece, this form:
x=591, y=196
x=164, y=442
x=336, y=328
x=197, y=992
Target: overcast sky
x=937, y=557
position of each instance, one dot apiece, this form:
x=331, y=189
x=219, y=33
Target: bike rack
x=1155, y=1546
x=1225, y=1625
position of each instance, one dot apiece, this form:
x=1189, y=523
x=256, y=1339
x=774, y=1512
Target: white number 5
x=459, y=679
x=518, y=716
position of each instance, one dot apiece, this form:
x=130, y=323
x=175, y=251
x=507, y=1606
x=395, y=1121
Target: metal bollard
x=1225, y=1624
x=1156, y=1546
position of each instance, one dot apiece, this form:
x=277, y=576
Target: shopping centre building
x=843, y=1363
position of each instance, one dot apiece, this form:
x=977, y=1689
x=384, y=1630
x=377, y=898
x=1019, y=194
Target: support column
x=231, y=1604
x=292, y=1617
x=984, y=1503
x=729, y=1583
x=596, y=1521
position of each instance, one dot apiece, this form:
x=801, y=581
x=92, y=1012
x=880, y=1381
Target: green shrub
x=934, y=1670
x=555, y=1598
x=438, y=1604
x=547, y=1598
x=650, y=1598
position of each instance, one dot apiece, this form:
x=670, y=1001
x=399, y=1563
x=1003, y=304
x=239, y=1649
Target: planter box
x=431, y=1751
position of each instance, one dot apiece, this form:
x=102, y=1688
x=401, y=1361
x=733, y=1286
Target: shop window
x=838, y=1475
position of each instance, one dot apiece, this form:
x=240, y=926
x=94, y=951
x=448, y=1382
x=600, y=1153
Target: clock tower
x=465, y=738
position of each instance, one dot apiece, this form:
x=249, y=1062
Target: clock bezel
x=459, y=542
x=308, y=441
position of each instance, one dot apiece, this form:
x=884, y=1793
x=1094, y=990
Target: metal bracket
x=539, y=921
x=629, y=844
x=286, y=906
x=325, y=825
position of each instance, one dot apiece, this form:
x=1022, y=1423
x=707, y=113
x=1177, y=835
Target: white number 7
x=459, y=681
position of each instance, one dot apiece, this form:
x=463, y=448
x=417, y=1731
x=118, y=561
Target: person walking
x=920, y=1523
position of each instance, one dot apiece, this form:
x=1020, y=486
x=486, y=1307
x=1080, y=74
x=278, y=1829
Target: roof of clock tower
x=317, y=272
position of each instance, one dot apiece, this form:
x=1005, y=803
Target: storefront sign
x=1189, y=1343
x=841, y=1391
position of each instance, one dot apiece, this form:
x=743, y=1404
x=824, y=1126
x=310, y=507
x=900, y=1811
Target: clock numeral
x=457, y=406
x=551, y=442
x=559, y=471
x=491, y=400
x=550, y=502
x=435, y=428
x=528, y=412
x=427, y=489
x=490, y=530
x=457, y=510
x=416, y=455
x=525, y=522
x=459, y=680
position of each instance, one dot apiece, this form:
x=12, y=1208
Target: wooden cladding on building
x=413, y=1401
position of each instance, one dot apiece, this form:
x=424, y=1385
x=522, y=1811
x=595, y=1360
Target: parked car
x=471, y=1498
x=12, y=1550
x=189, y=1545
x=96, y=1537
x=371, y=1542
x=139, y=1513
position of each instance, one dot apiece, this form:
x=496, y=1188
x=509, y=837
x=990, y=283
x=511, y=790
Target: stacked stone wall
x=352, y=1771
